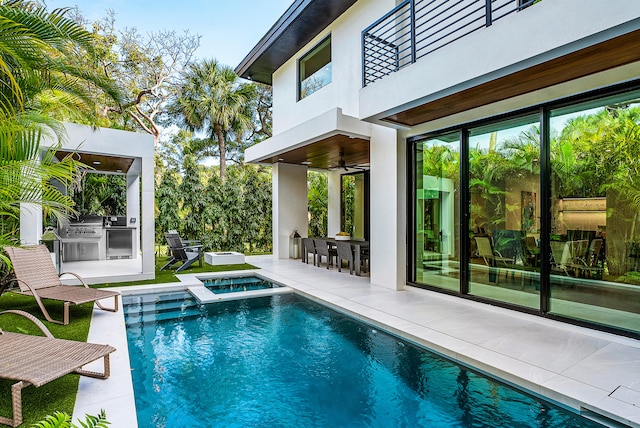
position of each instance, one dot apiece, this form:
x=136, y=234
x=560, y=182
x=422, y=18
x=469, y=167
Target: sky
x=229, y=28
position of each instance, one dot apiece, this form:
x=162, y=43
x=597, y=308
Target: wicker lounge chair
x=37, y=360
x=36, y=276
x=186, y=252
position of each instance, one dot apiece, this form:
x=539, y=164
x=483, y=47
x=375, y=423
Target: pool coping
x=537, y=380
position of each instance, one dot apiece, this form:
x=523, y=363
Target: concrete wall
x=388, y=208
x=343, y=91
x=289, y=205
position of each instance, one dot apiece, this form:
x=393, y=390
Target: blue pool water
x=284, y=361
x=235, y=284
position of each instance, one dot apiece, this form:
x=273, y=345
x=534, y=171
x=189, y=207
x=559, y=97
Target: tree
x=42, y=56
x=318, y=200
x=39, y=70
x=212, y=100
x=194, y=201
x=145, y=67
x=167, y=204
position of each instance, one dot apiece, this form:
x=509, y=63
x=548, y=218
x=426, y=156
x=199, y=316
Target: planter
x=343, y=237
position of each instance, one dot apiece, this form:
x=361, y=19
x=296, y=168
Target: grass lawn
x=60, y=394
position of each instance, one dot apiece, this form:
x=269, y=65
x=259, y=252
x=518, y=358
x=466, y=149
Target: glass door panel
x=437, y=254
x=504, y=189
x=595, y=211
x=354, y=219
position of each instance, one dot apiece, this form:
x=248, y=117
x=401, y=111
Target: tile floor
x=590, y=371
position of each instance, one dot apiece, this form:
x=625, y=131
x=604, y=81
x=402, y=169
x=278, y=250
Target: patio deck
x=578, y=367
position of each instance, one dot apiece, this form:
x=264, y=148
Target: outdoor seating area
x=354, y=252
x=36, y=276
x=37, y=360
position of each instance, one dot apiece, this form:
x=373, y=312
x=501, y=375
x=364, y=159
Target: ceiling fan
x=342, y=165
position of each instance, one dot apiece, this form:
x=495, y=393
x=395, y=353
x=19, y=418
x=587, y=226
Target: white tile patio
x=581, y=368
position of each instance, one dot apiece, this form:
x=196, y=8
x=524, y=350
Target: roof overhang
x=319, y=143
x=614, y=53
x=304, y=20
x=99, y=163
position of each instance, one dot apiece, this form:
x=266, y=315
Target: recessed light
x=280, y=160
x=118, y=170
x=306, y=163
x=96, y=162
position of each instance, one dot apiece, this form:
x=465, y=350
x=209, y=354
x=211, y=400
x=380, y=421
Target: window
x=538, y=211
x=315, y=69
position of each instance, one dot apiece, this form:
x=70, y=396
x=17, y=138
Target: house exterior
x=507, y=123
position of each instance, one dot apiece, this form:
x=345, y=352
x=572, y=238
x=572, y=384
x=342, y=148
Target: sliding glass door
x=504, y=207
x=539, y=211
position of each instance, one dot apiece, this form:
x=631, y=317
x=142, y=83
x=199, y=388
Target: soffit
x=99, y=163
x=600, y=57
x=326, y=153
x=303, y=21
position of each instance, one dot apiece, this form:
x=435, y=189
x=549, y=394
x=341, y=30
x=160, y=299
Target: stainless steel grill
x=89, y=227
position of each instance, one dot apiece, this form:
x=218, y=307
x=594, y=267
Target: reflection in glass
x=354, y=195
x=437, y=195
x=504, y=188
x=595, y=212
x=315, y=69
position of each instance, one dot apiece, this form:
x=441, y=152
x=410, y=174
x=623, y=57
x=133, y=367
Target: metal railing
x=416, y=28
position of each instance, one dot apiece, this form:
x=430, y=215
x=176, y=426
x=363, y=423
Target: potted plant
x=343, y=236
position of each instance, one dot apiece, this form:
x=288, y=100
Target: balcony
x=416, y=28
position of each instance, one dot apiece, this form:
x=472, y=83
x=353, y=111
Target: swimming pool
x=287, y=361
x=221, y=285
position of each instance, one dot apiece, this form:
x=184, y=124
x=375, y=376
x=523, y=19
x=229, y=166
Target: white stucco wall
x=388, y=209
x=289, y=205
x=343, y=91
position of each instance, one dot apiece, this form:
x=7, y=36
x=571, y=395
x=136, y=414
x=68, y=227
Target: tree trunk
x=223, y=152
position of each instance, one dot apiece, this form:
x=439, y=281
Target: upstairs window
x=315, y=69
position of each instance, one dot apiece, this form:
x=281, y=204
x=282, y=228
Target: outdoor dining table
x=356, y=246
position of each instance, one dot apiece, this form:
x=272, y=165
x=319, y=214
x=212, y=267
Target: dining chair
x=322, y=250
x=345, y=252
x=308, y=248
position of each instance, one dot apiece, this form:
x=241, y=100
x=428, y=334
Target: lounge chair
x=37, y=360
x=490, y=256
x=36, y=276
x=186, y=252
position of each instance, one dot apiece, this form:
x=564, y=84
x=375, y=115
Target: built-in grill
x=81, y=238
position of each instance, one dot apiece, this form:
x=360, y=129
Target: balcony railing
x=416, y=28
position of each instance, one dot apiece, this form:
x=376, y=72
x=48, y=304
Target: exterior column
x=133, y=206
x=388, y=209
x=290, y=205
x=146, y=217
x=333, y=209
x=31, y=224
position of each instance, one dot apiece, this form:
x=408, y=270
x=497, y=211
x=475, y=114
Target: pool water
x=231, y=285
x=284, y=361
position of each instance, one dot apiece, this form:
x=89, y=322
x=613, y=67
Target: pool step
x=159, y=306
x=145, y=308
x=138, y=318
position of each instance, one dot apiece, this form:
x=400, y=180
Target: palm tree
x=212, y=100
x=39, y=74
x=43, y=65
